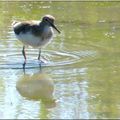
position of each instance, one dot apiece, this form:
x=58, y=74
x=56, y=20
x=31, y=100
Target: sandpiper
x=35, y=33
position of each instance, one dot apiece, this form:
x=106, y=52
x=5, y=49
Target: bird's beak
x=54, y=26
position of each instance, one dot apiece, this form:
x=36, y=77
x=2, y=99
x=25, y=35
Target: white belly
x=31, y=40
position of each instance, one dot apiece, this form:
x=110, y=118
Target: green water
x=82, y=75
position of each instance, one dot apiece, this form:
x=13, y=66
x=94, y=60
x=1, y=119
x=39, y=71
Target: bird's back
x=27, y=26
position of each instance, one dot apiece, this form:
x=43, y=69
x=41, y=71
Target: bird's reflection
x=38, y=86
x=24, y=65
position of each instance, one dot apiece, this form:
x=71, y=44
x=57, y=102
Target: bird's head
x=49, y=19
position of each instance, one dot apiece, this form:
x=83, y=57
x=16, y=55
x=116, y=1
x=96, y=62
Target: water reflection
x=24, y=65
x=37, y=86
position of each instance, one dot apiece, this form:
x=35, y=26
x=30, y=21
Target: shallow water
x=81, y=75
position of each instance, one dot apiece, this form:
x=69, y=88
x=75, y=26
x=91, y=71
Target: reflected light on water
x=38, y=86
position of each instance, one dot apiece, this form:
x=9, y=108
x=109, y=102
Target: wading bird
x=35, y=33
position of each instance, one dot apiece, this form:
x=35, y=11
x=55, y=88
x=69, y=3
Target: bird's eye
x=46, y=19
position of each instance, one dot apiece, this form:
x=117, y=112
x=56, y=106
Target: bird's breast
x=36, y=40
x=47, y=33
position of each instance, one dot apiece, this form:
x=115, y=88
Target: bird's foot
x=43, y=60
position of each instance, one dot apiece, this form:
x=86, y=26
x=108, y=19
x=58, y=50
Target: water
x=80, y=78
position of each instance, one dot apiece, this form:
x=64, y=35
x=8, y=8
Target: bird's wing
x=19, y=27
x=27, y=26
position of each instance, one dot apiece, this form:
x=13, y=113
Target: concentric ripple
x=51, y=58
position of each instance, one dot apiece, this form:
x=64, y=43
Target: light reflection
x=38, y=86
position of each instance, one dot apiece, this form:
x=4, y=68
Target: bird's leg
x=39, y=54
x=23, y=52
x=24, y=66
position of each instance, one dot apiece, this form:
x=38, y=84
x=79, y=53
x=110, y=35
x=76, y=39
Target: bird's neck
x=44, y=26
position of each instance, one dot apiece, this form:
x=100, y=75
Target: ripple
x=51, y=58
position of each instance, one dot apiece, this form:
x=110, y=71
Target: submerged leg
x=23, y=52
x=39, y=54
x=24, y=66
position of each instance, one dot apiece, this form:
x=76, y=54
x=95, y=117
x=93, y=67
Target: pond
x=81, y=77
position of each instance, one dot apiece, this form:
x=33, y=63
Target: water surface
x=81, y=76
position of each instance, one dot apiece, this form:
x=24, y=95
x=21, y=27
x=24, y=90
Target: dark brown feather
x=25, y=27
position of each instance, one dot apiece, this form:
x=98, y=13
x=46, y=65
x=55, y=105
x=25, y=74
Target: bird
x=35, y=33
